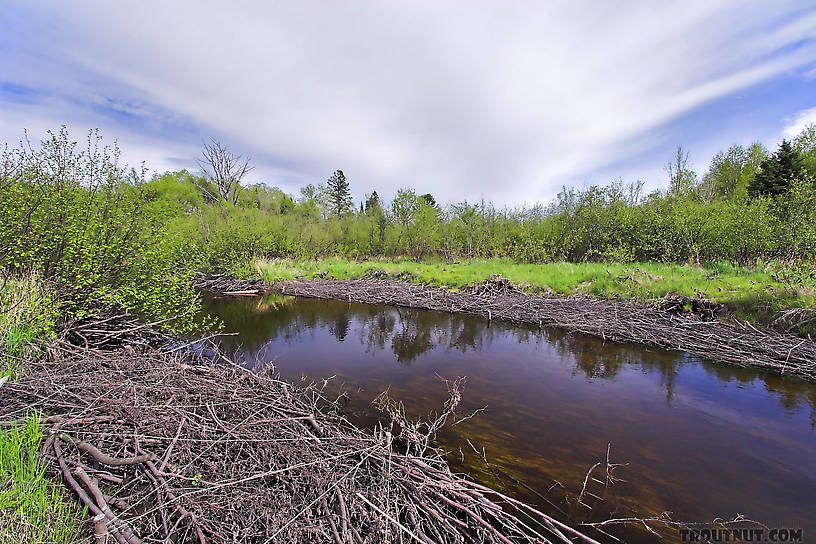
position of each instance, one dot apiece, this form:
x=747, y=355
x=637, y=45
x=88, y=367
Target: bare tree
x=681, y=177
x=223, y=169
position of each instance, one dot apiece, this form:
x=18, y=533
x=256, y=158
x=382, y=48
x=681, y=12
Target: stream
x=700, y=440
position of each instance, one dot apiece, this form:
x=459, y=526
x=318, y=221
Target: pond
x=701, y=440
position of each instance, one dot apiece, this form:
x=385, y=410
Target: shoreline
x=614, y=320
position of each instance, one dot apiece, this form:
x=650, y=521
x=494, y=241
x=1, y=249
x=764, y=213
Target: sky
x=507, y=101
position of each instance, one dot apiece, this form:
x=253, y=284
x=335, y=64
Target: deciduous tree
x=223, y=169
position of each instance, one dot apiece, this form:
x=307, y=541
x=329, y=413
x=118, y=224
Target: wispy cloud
x=508, y=101
x=798, y=123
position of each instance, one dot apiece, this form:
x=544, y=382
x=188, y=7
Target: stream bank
x=613, y=320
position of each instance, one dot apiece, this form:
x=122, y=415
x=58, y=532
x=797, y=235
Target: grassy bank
x=32, y=508
x=758, y=294
x=27, y=312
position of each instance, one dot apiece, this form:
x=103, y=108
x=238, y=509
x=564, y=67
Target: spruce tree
x=778, y=171
x=339, y=193
x=372, y=204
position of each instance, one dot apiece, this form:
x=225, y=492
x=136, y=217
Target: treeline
x=750, y=205
x=111, y=235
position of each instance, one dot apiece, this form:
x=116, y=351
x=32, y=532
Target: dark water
x=701, y=440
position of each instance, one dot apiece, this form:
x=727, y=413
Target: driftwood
x=248, y=458
x=229, y=285
x=615, y=320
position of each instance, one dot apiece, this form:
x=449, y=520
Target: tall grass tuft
x=27, y=313
x=33, y=510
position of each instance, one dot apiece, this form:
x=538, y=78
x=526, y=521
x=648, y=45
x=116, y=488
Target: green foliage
x=33, y=510
x=805, y=145
x=732, y=171
x=94, y=229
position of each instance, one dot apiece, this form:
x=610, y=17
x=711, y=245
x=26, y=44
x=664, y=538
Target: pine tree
x=339, y=193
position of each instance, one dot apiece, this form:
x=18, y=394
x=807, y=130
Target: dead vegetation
x=670, y=327
x=163, y=448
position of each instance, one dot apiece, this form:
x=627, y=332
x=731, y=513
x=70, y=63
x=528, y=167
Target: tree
x=428, y=199
x=681, y=178
x=805, y=144
x=778, y=171
x=378, y=222
x=732, y=171
x=633, y=191
x=223, y=170
x=404, y=208
x=338, y=193
x=468, y=216
x=372, y=204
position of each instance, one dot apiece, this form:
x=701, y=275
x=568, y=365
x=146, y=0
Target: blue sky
x=507, y=101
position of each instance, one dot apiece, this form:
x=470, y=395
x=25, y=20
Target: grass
x=26, y=319
x=33, y=509
x=750, y=293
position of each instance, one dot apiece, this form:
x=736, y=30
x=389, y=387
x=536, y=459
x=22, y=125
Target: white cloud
x=796, y=125
x=508, y=101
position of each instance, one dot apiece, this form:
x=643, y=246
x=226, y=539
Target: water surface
x=701, y=440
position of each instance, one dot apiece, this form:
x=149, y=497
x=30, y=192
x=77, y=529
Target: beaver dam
x=161, y=450
x=702, y=440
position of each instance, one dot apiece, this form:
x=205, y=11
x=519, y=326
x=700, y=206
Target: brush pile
x=679, y=305
x=618, y=320
x=166, y=449
x=494, y=286
x=111, y=330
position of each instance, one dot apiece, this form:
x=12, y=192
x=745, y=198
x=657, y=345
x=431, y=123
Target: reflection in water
x=702, y=440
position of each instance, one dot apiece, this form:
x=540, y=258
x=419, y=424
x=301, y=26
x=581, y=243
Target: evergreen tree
x=429, y=199
x=372, y=204
x=339, y=193
x=778, y=171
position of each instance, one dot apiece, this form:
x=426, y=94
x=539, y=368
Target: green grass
x=32, y=508
x=26, y=319
x=752, y=294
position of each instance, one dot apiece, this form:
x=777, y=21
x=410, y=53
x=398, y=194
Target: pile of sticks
x=227, y=284
x=165, y=449
x=494, y=286
x=617, y=320
x=111, y=330
x=680, y=305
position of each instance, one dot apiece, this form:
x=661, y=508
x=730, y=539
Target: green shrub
x=88, y=225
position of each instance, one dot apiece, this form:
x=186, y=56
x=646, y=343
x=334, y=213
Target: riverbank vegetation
x=26, y=319
x=105, y=236
x=760, y=294
x=33, y=509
